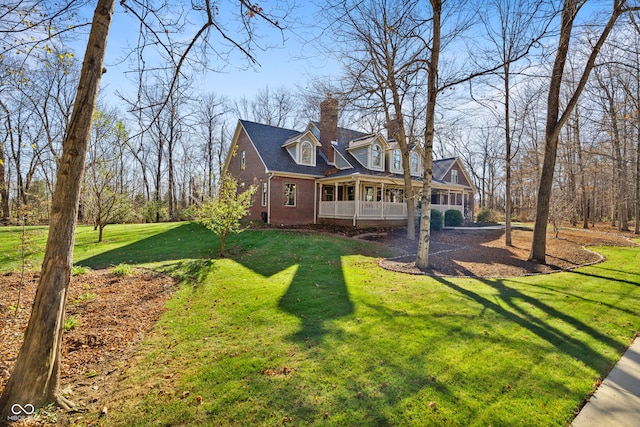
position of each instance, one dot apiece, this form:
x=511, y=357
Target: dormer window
x=376, y=156
x=305, y=153
x=454, y=176
x=397, y=162
x=414, y=162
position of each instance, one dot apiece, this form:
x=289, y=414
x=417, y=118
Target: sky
x=282, y=64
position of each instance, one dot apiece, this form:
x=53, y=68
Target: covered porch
x=444, y=199
x=359, y=201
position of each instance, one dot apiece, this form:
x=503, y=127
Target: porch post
x=335, y=199
x=382, y=200
x=357, y=197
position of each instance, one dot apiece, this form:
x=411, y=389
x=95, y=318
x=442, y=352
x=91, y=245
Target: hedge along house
x=329, y=174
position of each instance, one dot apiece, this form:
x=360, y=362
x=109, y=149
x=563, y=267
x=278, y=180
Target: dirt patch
x=112, y=313
x=481, y=252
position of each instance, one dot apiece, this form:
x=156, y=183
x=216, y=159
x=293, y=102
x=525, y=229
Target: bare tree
x=209, y=117
x=382, y=53
x=556, y=119
x=36, y=375
x=517, y=29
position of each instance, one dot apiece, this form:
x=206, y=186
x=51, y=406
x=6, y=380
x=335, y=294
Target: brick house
x=328, y=174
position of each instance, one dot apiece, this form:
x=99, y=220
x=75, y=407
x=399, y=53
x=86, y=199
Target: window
x=454, y=176
x=368, y=194
x=243, y=160
x=351, y=193
x=289, y=194
x=328, y=194
x=396, y=159
x=264, y=194
x=376, y=157
x=305, y=153
x=414, y=163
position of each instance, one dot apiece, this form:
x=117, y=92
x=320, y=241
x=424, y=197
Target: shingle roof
x=441, y=167
x=268, y=141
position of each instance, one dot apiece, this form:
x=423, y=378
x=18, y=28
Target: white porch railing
x=368, y=210
x=337, y=209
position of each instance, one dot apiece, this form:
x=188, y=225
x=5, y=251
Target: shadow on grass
x=318, y=293
x=561, y=340
x=187, y=241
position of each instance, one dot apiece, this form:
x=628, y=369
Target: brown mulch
x=481, y=252
x=115, y=312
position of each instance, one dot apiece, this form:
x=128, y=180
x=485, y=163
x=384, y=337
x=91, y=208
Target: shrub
x=71, y=323
x=436, y=220
x=78, y=270
x=122, y=270
x=453, y=218
x=487, y=215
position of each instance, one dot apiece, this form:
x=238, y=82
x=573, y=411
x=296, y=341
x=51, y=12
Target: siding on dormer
x=362, y=155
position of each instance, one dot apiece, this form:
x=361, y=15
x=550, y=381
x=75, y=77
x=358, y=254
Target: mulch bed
x=481, y=252
x=113, y=313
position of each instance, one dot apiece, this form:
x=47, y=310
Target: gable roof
x=441, y=167
x=268, y=142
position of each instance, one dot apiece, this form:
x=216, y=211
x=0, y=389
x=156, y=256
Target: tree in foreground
x=557, y=118
x=35, y=379
x=223, y=213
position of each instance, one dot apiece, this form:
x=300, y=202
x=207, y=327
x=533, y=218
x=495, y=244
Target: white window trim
x=381, y=166
x=295, y=196
x=393, y=160
x=312, y=157
x=263, y=201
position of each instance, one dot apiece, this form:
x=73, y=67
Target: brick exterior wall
x=252, y=174
x=302, y=212
x=461, y=178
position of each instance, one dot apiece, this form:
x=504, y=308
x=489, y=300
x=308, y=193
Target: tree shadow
x=186, y=241
x=317, y=294
x=526, y=319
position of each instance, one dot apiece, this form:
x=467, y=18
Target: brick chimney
x=328, y=126
x=393, y=128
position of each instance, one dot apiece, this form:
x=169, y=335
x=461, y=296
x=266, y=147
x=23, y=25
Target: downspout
x=270, y=175
x=315, y=203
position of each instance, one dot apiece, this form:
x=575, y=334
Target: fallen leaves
x=119, y=313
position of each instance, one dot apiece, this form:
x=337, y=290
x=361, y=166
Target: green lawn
x=305, y=329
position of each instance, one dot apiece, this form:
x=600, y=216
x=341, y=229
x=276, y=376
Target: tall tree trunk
x=555, y=121
x=4, y=187
x=507, y=137
x=583, y=178
x=401, y=138
x=422, y=257
x=36, y=375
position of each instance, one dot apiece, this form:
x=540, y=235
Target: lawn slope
x=306, y=329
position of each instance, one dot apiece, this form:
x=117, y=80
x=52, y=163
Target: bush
x=453, y=218
x=122, y=270
x=436, y=220
x=486, y=215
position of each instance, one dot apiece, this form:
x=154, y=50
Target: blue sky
x=283, y=64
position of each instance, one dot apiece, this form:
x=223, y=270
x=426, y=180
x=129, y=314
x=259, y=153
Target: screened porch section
x=444, y=200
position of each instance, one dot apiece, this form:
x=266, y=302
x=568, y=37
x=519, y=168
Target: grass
x=301, y=329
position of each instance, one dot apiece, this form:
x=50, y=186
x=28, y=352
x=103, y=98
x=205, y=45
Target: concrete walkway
x=616, y=403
